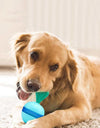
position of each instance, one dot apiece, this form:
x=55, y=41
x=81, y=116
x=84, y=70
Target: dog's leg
x=62, y=117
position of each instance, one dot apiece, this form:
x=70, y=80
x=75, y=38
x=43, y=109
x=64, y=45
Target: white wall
x=75, y=21
x=13, y=19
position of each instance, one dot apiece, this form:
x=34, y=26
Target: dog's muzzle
x=32, y=85
x=21, y=94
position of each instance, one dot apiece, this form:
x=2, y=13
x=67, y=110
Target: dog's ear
x=71, y=70
x=21, y=41
x=18, y=43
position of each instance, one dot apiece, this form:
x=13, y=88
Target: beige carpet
x=8, y=100
x=7, y=103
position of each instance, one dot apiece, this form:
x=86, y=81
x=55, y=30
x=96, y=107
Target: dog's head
x=40, y=59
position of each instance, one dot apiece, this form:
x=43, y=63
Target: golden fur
x=74, y=87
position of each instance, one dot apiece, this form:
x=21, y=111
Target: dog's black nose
x=33, y=85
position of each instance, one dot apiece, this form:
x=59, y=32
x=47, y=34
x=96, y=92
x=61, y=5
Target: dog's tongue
x=23, y=95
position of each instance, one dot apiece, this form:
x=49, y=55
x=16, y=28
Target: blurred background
x=74, y=21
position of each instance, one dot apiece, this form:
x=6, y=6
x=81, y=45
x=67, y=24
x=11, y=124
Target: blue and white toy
x=33, y=110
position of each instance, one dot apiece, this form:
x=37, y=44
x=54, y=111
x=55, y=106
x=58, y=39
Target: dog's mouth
x=22, y=95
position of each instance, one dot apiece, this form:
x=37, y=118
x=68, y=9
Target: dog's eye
x=34, y=56
x=54, y=67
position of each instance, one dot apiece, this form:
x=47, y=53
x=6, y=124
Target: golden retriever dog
x=45, y=63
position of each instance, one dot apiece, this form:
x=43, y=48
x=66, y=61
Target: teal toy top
x=40, y=96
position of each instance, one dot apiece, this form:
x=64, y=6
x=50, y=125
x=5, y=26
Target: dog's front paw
x=37, y=123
